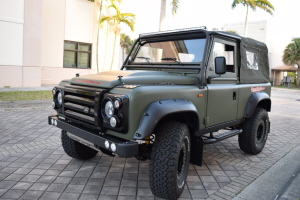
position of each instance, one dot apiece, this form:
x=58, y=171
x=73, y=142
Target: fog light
x=55, y=123
x=106, y=144
x=113, y=122
x=52, y=121
x=53, y=104
x=113, y=147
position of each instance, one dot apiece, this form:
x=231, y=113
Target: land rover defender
x=175, y=91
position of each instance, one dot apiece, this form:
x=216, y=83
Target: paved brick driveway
x=33, y=164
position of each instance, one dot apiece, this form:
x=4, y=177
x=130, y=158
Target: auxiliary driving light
x=106, y=143
x=117, y=103
x=55, y=123
x=113, y=122
x=113, y=147
x=52, y=121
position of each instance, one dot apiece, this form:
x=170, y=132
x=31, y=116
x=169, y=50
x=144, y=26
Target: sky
x=212, y=14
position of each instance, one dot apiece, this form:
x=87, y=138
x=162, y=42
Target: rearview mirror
x=220, y=65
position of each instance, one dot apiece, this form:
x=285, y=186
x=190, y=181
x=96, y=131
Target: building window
x=77, y=54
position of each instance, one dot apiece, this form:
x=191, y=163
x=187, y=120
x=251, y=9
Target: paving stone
x=30, y=178
x=69, y=196
x=75, y=188
x=196, y=194
x=56, y=187
x=7, y=184
x=144, y=192
x=13, y=194
x=88, y=196
x=32, y=195
x=46, y=179
x=108, y=197
x=127, y=191
x=14, y=177
x=2, y=191
x=110, y=191
x=50, y=195
x=22, y=186
x=78, y=181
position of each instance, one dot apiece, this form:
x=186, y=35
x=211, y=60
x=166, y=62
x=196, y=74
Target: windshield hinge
x=206, y=121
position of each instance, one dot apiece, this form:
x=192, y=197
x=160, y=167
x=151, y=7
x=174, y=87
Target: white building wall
x=79, y=21
x=11, y=42
x=267, y=32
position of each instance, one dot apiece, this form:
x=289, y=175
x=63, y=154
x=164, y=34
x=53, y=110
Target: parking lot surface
x=33, y=164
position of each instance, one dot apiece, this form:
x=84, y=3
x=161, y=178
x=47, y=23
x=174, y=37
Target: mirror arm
x=211, y=77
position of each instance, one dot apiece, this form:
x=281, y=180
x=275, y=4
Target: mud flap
x=196, y=151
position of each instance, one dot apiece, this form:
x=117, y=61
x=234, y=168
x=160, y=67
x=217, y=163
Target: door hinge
x=206, y=121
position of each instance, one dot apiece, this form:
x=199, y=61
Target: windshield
x=189, y=51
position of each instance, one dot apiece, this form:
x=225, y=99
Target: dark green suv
x=175, y=91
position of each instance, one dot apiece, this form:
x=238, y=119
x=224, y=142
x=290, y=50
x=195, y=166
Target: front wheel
x=255, y=132
x=170, y=159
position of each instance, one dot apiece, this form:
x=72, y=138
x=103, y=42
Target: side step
x=222, y=136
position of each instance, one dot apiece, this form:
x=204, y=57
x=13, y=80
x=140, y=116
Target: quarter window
x=77, y=55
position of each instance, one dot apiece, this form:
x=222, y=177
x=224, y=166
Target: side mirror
x=220, y=65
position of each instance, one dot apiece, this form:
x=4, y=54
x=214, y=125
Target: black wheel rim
x=181, y=166
x=260, y=133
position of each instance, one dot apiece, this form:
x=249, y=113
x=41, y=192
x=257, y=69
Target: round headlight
x=59, y=98
x=109, y=109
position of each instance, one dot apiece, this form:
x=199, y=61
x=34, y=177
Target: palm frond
x=175, y=5
x=291, y=54
x=117, y=9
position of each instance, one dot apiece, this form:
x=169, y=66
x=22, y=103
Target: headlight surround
x=109, y=109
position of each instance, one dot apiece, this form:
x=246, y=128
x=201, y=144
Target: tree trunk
x=123, y=54
x=97, y=48
x=246, y=23
x=163, y=11
x=298, y=76
x=113, y=53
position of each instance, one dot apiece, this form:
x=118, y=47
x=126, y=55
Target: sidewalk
x=42, y=88
x=33, y=164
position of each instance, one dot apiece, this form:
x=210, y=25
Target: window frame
x=77, y=53
x=235, y=57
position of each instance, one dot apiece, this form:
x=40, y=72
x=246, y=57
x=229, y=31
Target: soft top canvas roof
x=254, y=59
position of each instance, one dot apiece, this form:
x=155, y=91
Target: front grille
x=82, y=105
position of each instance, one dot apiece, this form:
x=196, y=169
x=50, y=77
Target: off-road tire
x=170, y=157
x=255, y=132
x=75, y=149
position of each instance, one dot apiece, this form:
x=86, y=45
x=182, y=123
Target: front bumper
x=125, y=149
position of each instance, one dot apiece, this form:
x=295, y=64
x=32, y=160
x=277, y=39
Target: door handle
x=234, y=96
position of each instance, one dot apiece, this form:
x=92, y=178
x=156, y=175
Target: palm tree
x=100, y=4
x=291, y=56
x=253, y=4
x=126, y=43
x=115, y=20
x=232, y=31
x=174, y=4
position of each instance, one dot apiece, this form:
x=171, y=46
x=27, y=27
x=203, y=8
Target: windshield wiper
x=145, y=59
x=173, y=59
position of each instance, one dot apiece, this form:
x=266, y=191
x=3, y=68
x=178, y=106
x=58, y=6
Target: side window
x=221, y=49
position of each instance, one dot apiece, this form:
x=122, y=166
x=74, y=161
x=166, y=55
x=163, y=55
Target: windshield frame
x=168, y=65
